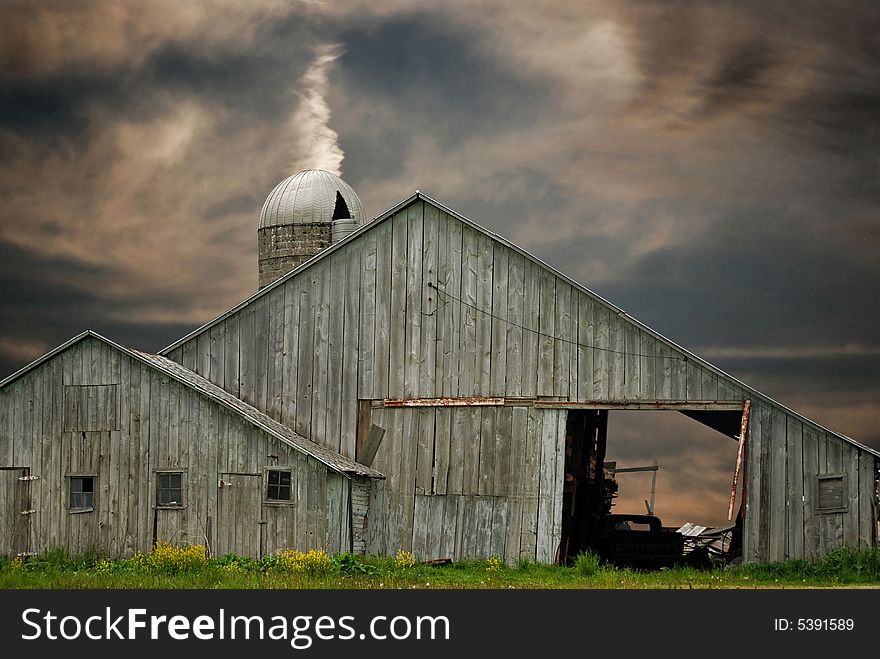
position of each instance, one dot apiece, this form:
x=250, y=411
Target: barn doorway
x=15, y=513
x=586, y=496
x=695, y=470
x=239, y=516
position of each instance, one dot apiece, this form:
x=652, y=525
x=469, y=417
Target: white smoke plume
x=316, y=145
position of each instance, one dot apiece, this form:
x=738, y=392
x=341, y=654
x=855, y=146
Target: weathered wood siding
x=61, y=419
x=424, y=305
x=470, y=482
x=785, y=456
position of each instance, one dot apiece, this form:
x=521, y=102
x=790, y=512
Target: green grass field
x=171, y=567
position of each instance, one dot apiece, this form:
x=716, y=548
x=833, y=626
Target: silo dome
x=303, y=215
x=310, y=197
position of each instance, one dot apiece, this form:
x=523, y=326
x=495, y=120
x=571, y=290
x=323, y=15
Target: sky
x=710, y=167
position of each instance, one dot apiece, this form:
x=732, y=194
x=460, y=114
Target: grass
x=189, y=567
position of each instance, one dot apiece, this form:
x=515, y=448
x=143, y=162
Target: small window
x=82, y=492
x=169, y=490
x=831, y=493
x=279, y=485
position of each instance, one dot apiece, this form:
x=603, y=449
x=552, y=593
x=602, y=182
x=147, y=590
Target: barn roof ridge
x=418, y=195
x=335, y=461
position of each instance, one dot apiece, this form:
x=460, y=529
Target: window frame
x=157, y=473
x=844, y=507
x=278, y=502
x=81, y=509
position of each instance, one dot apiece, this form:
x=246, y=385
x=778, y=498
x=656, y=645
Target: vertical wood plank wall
x=493, y=486
x=423, y=305
x=785, y=456
x=157, y=423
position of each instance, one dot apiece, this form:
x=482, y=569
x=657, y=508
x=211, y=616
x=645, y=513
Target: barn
x=414, y=382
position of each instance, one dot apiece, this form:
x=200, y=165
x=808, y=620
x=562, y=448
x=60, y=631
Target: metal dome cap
x=311, y=197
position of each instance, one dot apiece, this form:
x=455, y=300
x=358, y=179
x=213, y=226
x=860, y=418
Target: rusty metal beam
x=470, y=401
x=743, y=431
x=686, y=405
x=476, y=401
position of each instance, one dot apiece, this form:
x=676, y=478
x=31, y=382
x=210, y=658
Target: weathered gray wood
x=366, y=319
x=452, y=308
x=442, y=437
x=503, y=451
x=777, y=488
x=500, y=328
x=398, y=293
x=424, y=451
x=617, y=357
x=430, y=307
x=546, y=542
x=531, y=314
x=753, y=524
x=604, y=361
x=795, y=487
x=530, y=485
x=372, y=444
x=585, y=347
x=231, y=382
x=276, y=357
x=483, y=318
x=516, y=318
x=867, y=500
x=851, y=518
x=336, y=333
x=563, y=347
x=261, y=353
x=467, y=340
x=547, y=327
x=810, y=462
x=647, y=366
x=350, y=357
x=470, y=428
x=322, y=311
x=413, y=294
x=514, y=488
x=385, y=295
x=289, y=391
x=486, y=464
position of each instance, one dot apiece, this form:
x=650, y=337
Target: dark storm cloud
x=44, y=311
x=411, y=77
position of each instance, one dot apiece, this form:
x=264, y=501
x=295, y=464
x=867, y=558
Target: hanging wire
x=543, y=334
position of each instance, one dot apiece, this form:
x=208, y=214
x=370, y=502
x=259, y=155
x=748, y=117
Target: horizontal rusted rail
x=442, y=402
x=476, y=401
x=687, y=405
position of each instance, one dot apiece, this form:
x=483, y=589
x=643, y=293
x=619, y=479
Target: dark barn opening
x=614, y=514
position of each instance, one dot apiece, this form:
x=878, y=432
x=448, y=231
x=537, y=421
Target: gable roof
x=333, y=460
x=419, y=196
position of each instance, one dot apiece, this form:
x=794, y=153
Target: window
x=82, y=493
x=831, y=493
x=169, y=489
x=279, y=485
